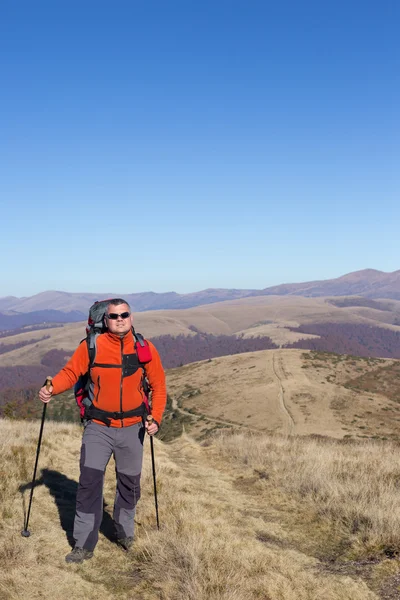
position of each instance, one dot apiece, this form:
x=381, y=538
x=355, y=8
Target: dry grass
x=355, y=486
x=291, y=391
x=221, y=537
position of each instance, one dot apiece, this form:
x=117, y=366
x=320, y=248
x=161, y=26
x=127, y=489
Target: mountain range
x=57, y=306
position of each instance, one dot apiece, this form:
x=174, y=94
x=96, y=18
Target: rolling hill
x=368, y=283
x=290, y=392
x=275, y=317
x=346, y=325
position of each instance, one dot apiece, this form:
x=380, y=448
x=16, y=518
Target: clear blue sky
x=179, y=145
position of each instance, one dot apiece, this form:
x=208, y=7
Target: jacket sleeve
x=156, y=377
x=77, y=365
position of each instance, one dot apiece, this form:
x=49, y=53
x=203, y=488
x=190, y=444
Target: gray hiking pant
x=98, y=444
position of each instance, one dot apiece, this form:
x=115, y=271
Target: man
x=116, y=387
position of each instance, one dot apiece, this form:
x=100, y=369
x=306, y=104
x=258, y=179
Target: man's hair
x=117, y=302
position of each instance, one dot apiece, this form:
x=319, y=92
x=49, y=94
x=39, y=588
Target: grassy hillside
x=275, y=391
x=291, y=392
x=270, y=316
x=243, y=517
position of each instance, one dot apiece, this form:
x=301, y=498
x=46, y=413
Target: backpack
x=95, y=327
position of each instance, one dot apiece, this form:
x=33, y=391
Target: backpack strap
x=88, y=411
x=142, y=348
x=105, y=416
x=139, y=338
x=91, y=340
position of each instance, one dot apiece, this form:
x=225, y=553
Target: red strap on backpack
x=142, y=348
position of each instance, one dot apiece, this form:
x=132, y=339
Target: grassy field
x=278, y=479
x=243, y=517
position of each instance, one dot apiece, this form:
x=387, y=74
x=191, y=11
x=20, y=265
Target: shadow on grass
x=64, y=492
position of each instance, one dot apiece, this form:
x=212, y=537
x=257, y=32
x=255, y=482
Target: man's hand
x=152, y=427
x=45, y=394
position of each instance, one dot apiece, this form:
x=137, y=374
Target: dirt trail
x=212, y=419
x=265, y=398
x=279, y=372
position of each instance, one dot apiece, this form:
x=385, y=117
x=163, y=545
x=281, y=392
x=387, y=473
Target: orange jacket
x=113, y=392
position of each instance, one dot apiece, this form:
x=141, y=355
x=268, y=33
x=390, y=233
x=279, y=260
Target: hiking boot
x=78, y=555
x=125, y=543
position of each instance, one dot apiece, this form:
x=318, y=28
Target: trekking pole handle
x=49, y=379
x=149, y=419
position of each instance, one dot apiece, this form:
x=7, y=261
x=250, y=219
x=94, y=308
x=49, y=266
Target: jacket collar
x=117, y=339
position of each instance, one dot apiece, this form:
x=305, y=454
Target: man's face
x=120, y=326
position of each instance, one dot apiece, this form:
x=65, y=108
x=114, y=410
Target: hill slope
x=291, y=392
x=369, y=283
x=272, y=316
x=243, y=518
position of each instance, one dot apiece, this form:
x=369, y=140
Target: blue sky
x=179, y=145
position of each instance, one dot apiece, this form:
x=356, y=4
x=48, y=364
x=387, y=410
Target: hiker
x=115, y=424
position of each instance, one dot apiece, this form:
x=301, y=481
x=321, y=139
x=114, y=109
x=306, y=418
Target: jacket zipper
x=122, y=376
x=98, y=390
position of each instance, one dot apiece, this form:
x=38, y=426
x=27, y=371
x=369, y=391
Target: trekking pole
x=25, y=532
x=150, y=420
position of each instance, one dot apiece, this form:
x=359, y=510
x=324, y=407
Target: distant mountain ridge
x=14, y=320
x=368, y=283
x=65, y=301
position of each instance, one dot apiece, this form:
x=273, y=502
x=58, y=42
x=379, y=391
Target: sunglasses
x=114, y=316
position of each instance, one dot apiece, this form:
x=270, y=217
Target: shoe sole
x=125, y=548
x=77, y=562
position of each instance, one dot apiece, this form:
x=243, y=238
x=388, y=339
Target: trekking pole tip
x=25, y=533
